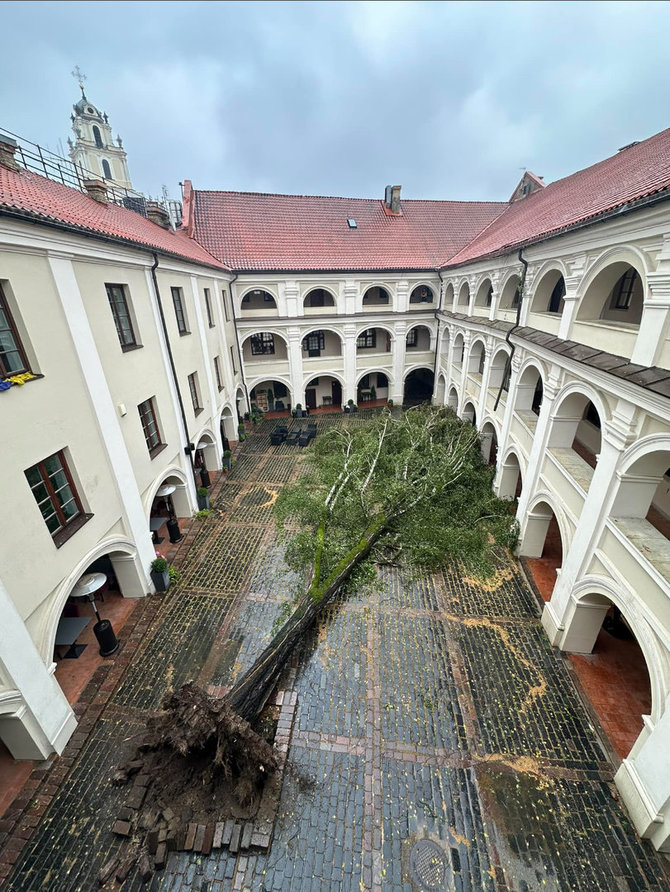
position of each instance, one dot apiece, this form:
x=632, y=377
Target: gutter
x=188, y=448
x=512, y=348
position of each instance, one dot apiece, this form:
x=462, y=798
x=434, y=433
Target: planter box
x=161, y=581
x=203, y=502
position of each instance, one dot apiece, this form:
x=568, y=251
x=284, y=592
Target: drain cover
x=428, y=865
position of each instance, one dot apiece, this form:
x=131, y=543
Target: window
x=116, y=294
x=208, y=307
x=421, y=295
x=56, y=496
x=556, y=301
x=367, y=338
x=622, y=293
x=178, y=301
x=106, y=170
x=13, y=359
x=98, y=140
x=410, y=340
x=152, y=434
x=224, y=301
x=217, y=369
x=382, y=380
x=195, y=394
x=314, y=343
x=232, y=358
x=262, y=343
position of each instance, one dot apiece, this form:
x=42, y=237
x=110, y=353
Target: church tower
x=94, y=148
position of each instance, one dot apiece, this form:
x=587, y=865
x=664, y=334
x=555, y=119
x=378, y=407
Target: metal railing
x=46, y=163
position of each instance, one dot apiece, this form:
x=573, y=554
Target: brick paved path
x=427, y=709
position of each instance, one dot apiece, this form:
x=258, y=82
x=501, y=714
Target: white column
x=655, y=320
x=539, y=446
x=402, y=296
x=350, y=369
x=399, y=357
x=35, y=718
x=105, y=411
x=350, y=293
x=571, y=299
x=291, y=295
x=486, y=374
x=209, y=377
x=295, y=365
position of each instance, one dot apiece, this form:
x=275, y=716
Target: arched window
x=97, y=137
x=556, y=301
x=106, y=170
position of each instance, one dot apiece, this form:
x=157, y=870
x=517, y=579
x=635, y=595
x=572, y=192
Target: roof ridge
x=440, y=201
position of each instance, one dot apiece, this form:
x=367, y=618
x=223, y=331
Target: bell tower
x=95, y=148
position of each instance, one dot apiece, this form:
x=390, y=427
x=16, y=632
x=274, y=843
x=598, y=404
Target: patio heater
x=103, y=631
x=165, y=492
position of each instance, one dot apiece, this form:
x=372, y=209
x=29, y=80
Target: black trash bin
x=204, y=478
x=173, y=530
x=107, y=640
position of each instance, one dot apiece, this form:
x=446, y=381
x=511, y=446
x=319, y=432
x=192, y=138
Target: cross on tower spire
x=80, y=77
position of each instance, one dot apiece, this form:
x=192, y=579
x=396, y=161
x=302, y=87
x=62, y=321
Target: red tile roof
x=632, y=174
x=255, y=231
x=38, y=198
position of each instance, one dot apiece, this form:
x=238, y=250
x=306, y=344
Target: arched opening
x=469, y=414
x=264, y=346
x=611, y=667
x=510, y=296
x=321, y=343
x=418, y=338
x=418, y=387
x=615, y=295
x=510, y=483
x=576, y=426
x=106, y=170
x=318, y=299
x=489, y=442
x=240, y=404
x=169, y=511
x=477, y=359
x=376, y=297
x=372, y=387
x=549, y=294
x=499, y=376
x=324, y=391
x=422, y=294
x=449, y=296
x=464, y=295
x=228, y=428
x=440, y=390
x=452, y=401
x=529, y=395
x=97, y=138
x=484, y=296
x=258, y=301
x=459, y=350
x=374, y=340
x=271, y=396
x=542, y=546
x=643, y=494
x=444, y=349
x=206, y=461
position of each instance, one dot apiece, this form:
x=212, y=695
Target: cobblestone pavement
x=430, y=711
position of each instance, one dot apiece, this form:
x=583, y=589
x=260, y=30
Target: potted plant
x=160, y=574
x=348, y=406
x=389, y=403
x=241, y=433
x=203, y=498
x=271, y=400
x=227, y=459
x=298, y=410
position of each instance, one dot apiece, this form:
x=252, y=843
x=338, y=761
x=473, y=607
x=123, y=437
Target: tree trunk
x=250, y=693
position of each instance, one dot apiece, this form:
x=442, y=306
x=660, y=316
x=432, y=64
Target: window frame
x=622, y=292
x=410, y=338
x=18, y=344
x=224, y=301
x=158, y=446
x=114, y=308
x=68, y=526
x=367, y=340
x=262, y=343
x=317, y=336
x=194, y=388
x=179, y=310
x=208, y=307
x=217, y=371
x=556, y=298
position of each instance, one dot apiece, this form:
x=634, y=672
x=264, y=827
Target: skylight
x=351, y=223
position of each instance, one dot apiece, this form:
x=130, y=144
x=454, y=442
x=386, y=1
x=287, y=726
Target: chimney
x=8, y=147
x=97, y=190
x=157, y=214
x=392, y=199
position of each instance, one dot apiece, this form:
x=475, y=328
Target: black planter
x=107, y=640
x=204, y=478
x=161, y=581
x=173, y=531
x=347, y=409
x=203, y=503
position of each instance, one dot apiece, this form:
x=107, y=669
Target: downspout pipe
x=512, y=348
x=237, y=340
x=189, y=448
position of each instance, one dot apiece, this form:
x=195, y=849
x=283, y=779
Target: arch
x=378, y=325
x=418, y=385
x=643, y=489
x=614, y=290
x=469, y=413
x=477, y=357
x=97, y=138
x=378, y=371
x=422, y=294
x=440, y=390
x=499, y=369
x=544, y=542
x=569, y=422
x=488, y=437
x=319, y=297
x=464, y=294
x=227, y=423
x=106, y=169
x=452, y=399
x=258, y=299
x=259, y=344
x=459, y=349
x=240, y=397
x=323, y=389
x=529, y=391
x=510, y=479
x=376, y=296
x=315, y=343
x=418, y=337
x=53, y=612
x=281, y=388
x=445, y=337
x=449, y=295
x=205, y=445
x=509, y=293
x=547, y=296
x=150, y=494
x=484, y=293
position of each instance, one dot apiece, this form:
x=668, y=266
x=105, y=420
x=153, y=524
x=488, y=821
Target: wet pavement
x=439, y=742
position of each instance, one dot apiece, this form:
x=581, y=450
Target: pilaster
x=294, y=337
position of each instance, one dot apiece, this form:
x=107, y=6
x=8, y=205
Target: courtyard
x=439, y=742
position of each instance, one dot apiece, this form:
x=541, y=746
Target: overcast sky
x=451, y=100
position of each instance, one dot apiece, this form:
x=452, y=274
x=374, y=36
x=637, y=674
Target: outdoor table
x=155, y=523
x=69, y=629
